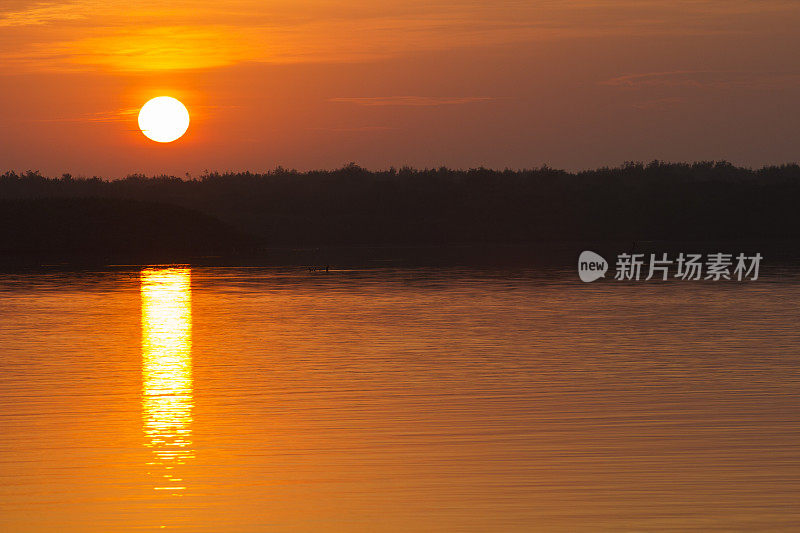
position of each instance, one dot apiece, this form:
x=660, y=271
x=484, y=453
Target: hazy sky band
x=513, y=83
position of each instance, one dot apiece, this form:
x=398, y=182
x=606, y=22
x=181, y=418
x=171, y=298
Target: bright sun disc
x=163, y=119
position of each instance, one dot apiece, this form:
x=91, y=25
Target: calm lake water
x=442, y=400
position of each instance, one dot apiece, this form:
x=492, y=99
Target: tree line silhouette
x=355, y=206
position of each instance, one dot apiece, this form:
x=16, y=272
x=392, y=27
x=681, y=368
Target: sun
x=163, y=119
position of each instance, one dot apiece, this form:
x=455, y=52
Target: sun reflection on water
x=167, y=399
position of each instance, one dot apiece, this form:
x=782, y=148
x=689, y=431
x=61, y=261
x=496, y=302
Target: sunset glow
x=163, y=119
x=357, y=266
x=315, y=84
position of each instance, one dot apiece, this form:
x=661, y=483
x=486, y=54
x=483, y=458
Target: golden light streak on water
x=167, y=399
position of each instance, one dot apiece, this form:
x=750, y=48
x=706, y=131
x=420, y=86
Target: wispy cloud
x=706, y=79
x=411, y=101
x=121, y=115
x=119, y=46
x=130, y=114
x=356, y=129
x=41, y=14
x=661, y=104
x=150, y=35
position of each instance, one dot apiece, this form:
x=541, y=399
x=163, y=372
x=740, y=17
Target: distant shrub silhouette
x=351, y=205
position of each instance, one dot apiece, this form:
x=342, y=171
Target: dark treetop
x=354, y=206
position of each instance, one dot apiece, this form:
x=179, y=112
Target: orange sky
x=317, y=83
